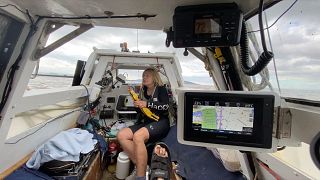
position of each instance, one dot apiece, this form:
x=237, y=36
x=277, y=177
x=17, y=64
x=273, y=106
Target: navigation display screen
x=228, y=118
x=223, y=117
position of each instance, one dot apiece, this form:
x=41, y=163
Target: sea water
x=50, y=82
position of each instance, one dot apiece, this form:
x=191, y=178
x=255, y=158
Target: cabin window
x=10, y=30
x=57, y=68
x=193, y=71
x=59, y=65
x=134, y=76
x=295, y=41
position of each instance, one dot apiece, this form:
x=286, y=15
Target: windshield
x=61, y=63
x=295, y=39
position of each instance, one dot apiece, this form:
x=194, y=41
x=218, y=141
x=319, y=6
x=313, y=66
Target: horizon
x=185, y=81
x=295, y=39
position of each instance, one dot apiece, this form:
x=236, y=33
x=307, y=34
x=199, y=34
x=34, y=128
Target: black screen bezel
x=262, y=125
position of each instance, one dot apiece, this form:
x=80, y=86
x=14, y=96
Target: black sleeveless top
x=158, y=103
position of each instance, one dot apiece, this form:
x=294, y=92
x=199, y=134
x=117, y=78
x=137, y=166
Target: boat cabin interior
x=236, y=128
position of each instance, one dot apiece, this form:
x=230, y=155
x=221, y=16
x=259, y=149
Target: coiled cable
x=266, y=55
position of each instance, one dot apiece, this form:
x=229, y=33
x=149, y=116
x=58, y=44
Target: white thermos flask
x=123, y=165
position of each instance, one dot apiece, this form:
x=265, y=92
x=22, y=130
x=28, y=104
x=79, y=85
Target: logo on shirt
x=158, y=107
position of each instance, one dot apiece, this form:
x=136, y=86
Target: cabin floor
x=112, y=176
x=109, y=176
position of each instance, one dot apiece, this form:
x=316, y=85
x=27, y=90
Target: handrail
x=302, y=101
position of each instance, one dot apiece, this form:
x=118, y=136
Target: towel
x=65, y=146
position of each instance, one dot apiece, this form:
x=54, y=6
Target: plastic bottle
x=123, y=165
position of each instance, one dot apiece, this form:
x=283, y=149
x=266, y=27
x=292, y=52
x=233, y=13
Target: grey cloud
x=294, y=52
x=66, y=57
x=295, y=41
x=305, y=11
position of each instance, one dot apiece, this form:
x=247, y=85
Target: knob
x=231, y=37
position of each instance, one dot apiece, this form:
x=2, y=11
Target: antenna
x=137, y=39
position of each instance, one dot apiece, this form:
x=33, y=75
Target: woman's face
x=147, y=78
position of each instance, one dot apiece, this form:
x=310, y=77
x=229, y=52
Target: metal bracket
x=211, y=67
x=197, y=54
x=53, y=26
x=282, y=121
x=46, y=50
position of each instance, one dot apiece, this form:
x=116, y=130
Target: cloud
x=295, y=41
x=57, y=66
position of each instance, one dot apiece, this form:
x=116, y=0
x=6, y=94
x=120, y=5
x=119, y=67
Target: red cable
x=274, y=174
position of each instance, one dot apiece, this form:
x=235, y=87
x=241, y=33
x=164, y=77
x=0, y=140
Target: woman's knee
x=125, y=134
x=141, y=136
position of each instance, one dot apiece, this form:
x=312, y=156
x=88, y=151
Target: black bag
x=69, y=170
x=57, y=167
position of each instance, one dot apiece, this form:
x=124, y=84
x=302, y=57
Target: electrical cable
x=266, y=167
x=247, y=81
x=88, y=101
x=273, y=59
x=25, y=13
x=29, y=134
x=49, y=121
x=7, y=5
x=265, y=72
x=277, y=18
x=88, y=95
x=266, y=55
x=138, y=15
x=263, y=39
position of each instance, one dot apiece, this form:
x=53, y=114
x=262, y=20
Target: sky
x=295, y=41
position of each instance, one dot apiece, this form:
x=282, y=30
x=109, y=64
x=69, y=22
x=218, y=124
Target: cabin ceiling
x=163, y=9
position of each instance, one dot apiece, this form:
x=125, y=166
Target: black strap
x=159, y=173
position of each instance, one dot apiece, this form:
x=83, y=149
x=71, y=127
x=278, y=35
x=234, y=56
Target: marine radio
x=206, y=25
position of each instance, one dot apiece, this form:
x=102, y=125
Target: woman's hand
x=140, y=104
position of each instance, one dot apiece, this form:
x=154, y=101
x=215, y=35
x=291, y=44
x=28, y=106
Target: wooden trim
x=16, y=166
x=94, y=172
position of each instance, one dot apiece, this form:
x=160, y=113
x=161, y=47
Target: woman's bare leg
x=139, y=139
x=125, y=138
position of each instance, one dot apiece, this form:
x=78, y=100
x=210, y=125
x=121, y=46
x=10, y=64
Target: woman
x=154, y=96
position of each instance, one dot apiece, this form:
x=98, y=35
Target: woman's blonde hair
x=156, y=77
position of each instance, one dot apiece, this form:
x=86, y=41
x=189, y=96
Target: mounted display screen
x=207, y=25
x=231, y=119
x=223, y=117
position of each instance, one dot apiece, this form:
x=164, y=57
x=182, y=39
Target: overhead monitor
x=237, y=120
x=206, y=25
